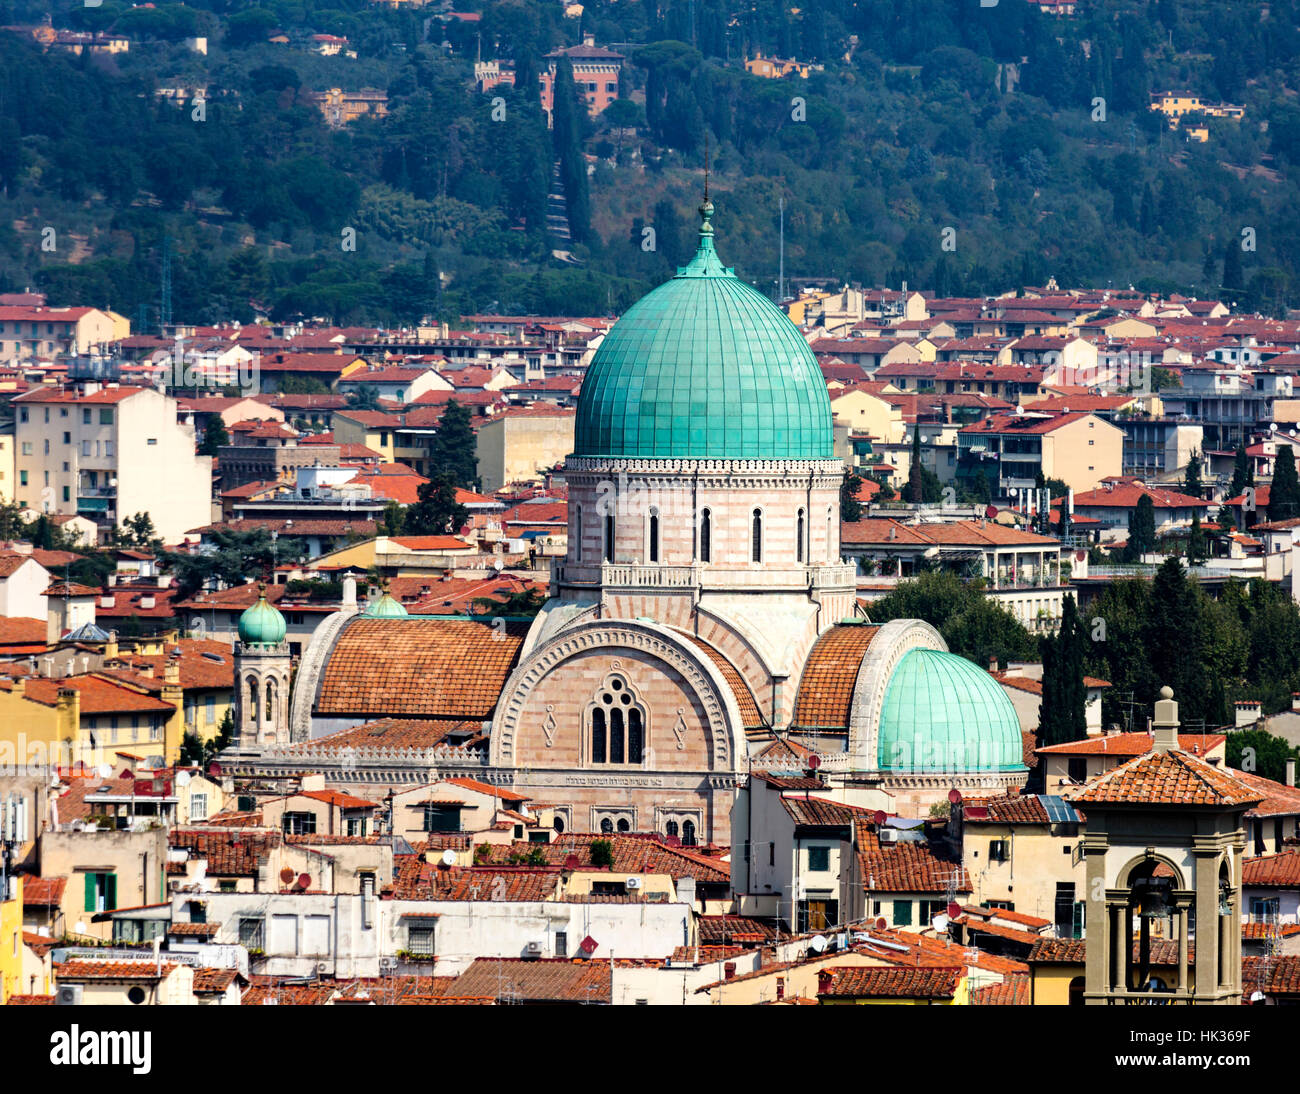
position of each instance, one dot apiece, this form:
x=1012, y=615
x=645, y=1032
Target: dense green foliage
x=1212, y=652
x=1061, y=714
x=1259, y=752
x=928, y=115
x=972, y=624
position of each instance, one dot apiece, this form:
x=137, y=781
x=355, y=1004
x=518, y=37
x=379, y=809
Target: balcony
x=703, y=577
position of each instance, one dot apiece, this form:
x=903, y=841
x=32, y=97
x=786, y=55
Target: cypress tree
x=1284, y=494
x=453, y=449
x=914, y=482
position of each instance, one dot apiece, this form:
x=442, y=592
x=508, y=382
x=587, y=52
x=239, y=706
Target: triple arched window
x=617, y=720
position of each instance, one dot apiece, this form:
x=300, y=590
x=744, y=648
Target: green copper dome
x=944, y=714
x=704, y=367
x=262, y=624
x=385, y=608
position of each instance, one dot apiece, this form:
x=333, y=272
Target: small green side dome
x=944, y=714
x=704, y=367
x=262, y=624
x=385, y=608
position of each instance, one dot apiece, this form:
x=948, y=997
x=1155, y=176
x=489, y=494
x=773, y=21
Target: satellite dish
x=304, y=880
x=183, y=778
x=954, y=909
x=881, y=924
x=79, y=926
x=991, y=512
x=818, y=943
x=286, y=875
x=498, y=565
x=449, y=857
x=814, y=762
x=105, y=771
x=214, y=768
x=571, y=862
x=954, y=796
x=1256, y=996
x=880, y=818
x=940, y=924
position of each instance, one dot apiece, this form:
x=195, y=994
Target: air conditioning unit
x=632, y=883
x=888, y=835
x=322, y=968
x=388, y=962
x=68, y=995
x=533, y=949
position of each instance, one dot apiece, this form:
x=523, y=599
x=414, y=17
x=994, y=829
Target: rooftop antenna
x=706, y=167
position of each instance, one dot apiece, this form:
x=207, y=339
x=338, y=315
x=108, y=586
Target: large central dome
x=704, y=367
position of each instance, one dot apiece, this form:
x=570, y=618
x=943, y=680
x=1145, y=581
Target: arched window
x=606, y=826
x=798, y=537
x=616, y=736
x=653, y=553
x=623, y=825
x=757, y=552
x=671, y=829
x=252, y=700
x=609, y=537
x=576, y=533
x=688, y=833
x=706, y=536
x=618, y=723
x=635, y=736
x=268, y=713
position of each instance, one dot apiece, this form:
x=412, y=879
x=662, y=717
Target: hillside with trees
x=1027, y=135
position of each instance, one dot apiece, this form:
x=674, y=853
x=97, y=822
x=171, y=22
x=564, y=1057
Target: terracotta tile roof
x=415, y=879
x=784, y=754
x=193, y=930
x=1125, y=495
x=420, y=667
x=111, y=970
x=1259, y=932
x=819, y=813
x=230, y=852
x=388, y=733
x=39, y=944
x=826, y=687
x=981, y=911
x=363, y=528
x=43, y=890
x=1281, y=870
x=197, y=663
x=1168, y=778
x=1131, y=744
x=20, y=630
x=1280, y=800
x=720, y=930
x=642, y=853
x=975, y=926
x=487, y=788
x=30, y=1001
x=213, y=981
x=906, y=867
x=98, y=695
x=1271, y=975
x=336, y=798
x=750, y=715
x=1013, y=992
x=893, y=982
x=1058, y=951
x=548, y=980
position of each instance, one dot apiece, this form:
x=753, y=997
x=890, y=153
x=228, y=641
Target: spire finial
x=706, y=210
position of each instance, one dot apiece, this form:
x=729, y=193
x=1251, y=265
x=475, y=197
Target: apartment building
x=106, y=452
x=38, y=331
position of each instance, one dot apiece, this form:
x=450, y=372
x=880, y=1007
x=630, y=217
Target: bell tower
x=1164, y=851
x=262, y=664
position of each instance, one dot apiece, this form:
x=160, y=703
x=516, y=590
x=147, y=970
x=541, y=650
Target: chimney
x=588, y=39
x=780, y=988
x=349, y=592
x=1290, y=772
x=825, y=978
x=1165, y=723
x=1295, y=701
x=993, y=664
x=1247, y=712
x=728, y=970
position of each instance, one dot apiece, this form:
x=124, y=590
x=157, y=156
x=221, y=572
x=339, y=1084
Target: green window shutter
x=110, y=892
x=902, y=913
x=90, y=892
